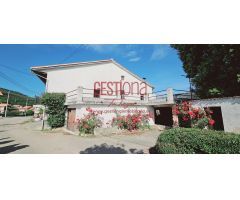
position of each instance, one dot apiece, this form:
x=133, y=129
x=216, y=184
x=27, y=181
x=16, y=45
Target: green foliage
x=17, y=98
x=55, y=108
x=29, y=113
x=14, y=113
x=89, y=122
x=210, y=67
x=190, y=141
x=132, y=122
x=215, y=92
x=189, y=116
x=202, y=123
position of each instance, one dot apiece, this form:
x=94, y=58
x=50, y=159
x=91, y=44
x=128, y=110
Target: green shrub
x=29, y=113
x=202, y=123
x=13, y=113
x=55, y=109
x=89, y=122
x=191, y=140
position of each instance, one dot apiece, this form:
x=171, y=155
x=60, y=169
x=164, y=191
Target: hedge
x=190, y=141
x=29, y=112
x=55, y=109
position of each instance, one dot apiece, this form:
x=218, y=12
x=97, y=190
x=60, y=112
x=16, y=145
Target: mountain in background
x=17, y=98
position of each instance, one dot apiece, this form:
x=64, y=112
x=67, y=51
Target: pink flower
x=211, y=122
x=89, y=110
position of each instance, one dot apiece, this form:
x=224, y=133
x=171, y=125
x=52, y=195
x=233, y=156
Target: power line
x=13, y=69
x=12, y=81
x=71, y=54
x=6, y=77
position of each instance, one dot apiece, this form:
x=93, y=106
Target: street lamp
x=190, y=84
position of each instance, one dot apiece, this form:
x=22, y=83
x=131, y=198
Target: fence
x=82, y=94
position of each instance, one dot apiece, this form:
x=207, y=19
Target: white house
x=107, y=87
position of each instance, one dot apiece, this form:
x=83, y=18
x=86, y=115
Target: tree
x=214, y=69
x=55, y=103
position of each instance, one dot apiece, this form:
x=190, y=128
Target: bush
x=193, y=117
x=132, y=122
x=29, y=113
x=55, y=109
x=89, y=122
x=192, y=140
x=13, y=113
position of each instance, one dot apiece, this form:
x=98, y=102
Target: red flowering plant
x=89, y=122
x=132, y=122
x=193, y=117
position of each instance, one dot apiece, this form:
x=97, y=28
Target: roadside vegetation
x=17, y=98
x=55, y=109
x=130, y=122
x=89, y=122
x=196, y=134
x=210, y=66
x=190, y=117
x=200, y=141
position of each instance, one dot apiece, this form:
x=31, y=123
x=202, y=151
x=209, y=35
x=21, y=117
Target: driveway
x=21, y=135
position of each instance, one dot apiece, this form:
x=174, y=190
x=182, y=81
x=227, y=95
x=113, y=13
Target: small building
x=108, y=88
x=226, y=112
x=2, y=108
x=38, y=111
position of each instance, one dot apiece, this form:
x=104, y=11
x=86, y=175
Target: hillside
x=17, y=98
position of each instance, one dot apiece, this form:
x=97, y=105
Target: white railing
x=85, y=95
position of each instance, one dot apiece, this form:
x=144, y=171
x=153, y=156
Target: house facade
x=108, y=88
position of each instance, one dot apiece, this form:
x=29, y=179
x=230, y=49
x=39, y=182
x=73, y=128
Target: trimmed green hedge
x=190, y=141
x=55, y=109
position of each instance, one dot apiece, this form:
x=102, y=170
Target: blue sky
x=158, y=63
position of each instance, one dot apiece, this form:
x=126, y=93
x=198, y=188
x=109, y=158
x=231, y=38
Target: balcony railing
x=83, y=95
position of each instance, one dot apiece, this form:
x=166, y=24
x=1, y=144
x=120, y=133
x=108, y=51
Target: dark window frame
x=96, y=93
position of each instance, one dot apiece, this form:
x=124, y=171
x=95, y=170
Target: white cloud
x=159, y=52
x=131, y=54
x=103, y=48
x=127, y=51
x=135, y=59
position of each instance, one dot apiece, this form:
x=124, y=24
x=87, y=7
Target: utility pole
x=7, y=103
x=26, y=107
x=190, y=84
x=44, y=109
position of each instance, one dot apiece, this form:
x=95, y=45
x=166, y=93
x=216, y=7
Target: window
x=122, y=94
x=96, y=93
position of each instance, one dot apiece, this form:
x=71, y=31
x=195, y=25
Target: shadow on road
x=5, y=142
x=9, y=148
x=12, y=148
x=4, y=138
x=107, y=149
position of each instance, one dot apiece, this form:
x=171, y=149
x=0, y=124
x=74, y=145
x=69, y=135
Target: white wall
x=68, y=79
x=108, y=112
x=230, y=111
